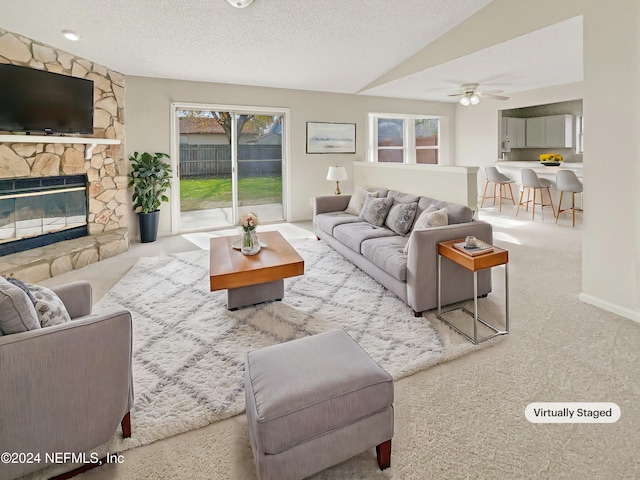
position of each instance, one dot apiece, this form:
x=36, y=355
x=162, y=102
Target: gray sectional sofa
x=400, y=251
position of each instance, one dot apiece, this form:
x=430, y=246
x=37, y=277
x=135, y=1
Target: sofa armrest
x=73, y=379
x=330, y=203
x=422, y=259
x=77, y=298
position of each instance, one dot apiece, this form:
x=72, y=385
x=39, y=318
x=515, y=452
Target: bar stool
x=531, y=180
x=567, y=181
x=497, y=178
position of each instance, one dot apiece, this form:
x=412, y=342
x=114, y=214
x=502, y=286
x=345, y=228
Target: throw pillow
x=356, y=202
x=401, y=217
x=429, y=218
x=17, y=313
x=22, y=286
x=432, y=217
x=375, y=210
x=49, y=308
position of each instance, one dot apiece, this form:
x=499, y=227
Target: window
x=404, y=139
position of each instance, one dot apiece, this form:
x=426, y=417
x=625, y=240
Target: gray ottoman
x=316, y=402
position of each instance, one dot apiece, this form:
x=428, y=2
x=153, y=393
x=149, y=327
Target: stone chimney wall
x=107, y=169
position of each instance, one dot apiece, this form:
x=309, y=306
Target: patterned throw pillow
x=432, y=217
x=401, y=217
x=49, y=308
x=375, y=210
x=356, y=202
x=429, y=218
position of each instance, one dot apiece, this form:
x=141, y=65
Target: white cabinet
x=536, y=132
x=559, y=131
x=513, y=133
x=553, y=131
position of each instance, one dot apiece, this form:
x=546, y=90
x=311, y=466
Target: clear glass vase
x=250, y=243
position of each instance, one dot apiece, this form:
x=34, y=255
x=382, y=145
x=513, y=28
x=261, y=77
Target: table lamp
x=336, y=174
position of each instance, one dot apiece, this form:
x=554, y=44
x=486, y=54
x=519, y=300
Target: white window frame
x=408, y=133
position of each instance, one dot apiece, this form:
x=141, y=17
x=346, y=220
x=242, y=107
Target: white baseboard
x=610, y=307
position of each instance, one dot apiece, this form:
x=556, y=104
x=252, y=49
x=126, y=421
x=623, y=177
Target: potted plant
x=150, y=177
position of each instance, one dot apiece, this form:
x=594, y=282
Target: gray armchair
x=65, y=388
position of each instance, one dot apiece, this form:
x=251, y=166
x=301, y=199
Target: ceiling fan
x=470, y=96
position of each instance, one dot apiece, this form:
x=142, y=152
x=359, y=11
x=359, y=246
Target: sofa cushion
x=17, y=313
x=328, y=221
x=356, y=202
x=387, y=253
x=399, y=197
x=456, y=213
x=401, y=216
x=353, y=234
x=375, y=210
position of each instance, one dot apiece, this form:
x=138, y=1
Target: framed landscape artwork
x=325, y=137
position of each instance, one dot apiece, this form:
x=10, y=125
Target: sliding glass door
x=230, y=162
x=259, y=166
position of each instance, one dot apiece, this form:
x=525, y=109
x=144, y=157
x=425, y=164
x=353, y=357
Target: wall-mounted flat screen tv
x=38, y=101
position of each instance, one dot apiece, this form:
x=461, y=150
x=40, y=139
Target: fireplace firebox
x=35, y=212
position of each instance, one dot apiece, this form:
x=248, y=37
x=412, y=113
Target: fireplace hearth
x=35, y=212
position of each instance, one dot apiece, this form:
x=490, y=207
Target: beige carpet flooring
x=463, y=419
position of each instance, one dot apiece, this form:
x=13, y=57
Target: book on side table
x=479, y=249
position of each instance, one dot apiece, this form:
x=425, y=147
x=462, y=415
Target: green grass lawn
x=202, y=194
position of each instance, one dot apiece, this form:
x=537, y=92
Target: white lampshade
x=465, y=101
x=474, y=99
x=337, y=173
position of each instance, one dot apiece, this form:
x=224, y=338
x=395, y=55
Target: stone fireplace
x=39, y=159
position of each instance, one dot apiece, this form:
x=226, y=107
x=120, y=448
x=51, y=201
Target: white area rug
x=189, y=350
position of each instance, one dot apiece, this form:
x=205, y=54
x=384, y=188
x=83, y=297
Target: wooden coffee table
x=252, y=279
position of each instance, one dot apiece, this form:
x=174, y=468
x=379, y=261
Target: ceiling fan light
x=474, y=99
x=464, y=101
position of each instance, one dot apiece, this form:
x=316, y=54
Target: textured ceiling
x=322, y=45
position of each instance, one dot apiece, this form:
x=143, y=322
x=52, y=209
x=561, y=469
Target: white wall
x=611, y=240
x=147, y=103
x=611, y=226
x=449, y=183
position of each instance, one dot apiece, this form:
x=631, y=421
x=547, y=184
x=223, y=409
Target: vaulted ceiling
x=370, y=47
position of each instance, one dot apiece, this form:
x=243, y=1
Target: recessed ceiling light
x=71, y=35
x=240, y=3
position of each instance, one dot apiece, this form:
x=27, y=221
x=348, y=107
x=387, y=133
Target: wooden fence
x=203, y=161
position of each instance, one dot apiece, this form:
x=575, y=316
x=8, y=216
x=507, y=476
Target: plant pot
x=149, y=226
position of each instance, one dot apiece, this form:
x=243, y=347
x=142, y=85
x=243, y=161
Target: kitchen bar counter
x=513, y=171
